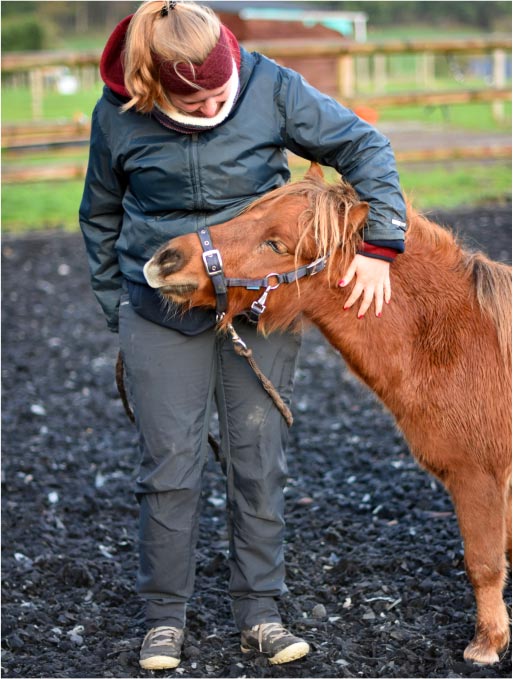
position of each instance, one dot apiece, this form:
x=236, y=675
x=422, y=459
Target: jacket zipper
x=194, y=169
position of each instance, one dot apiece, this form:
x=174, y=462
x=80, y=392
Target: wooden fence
x=76, y=170
x=68, y=133
x=349, y=78
x=347, y=55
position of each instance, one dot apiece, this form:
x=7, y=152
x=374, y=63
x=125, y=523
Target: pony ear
x=357, y=216
x=315, y=170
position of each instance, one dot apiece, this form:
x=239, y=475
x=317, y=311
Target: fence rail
x=76, y=170
x=42, y=133
x=277, y=49
x=436, y=98
x=19, y=62
x=30, y=136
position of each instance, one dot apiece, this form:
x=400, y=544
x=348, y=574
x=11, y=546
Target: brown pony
x=439, y=357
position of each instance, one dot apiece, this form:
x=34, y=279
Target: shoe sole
x=159, y=662
x=292, y=652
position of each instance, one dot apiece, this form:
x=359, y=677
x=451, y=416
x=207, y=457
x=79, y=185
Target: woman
x=190, y=129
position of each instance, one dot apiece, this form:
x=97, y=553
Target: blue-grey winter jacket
x=146, y=183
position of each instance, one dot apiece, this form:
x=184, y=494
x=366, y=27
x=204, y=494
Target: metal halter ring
x=268, y=285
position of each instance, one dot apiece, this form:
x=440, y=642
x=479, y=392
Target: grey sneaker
x=272, y=639
x=161, y=648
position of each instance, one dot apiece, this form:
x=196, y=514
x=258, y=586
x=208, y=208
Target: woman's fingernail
x=378, y=314
x=361, y=315
x=346, y=308
x=341, y=282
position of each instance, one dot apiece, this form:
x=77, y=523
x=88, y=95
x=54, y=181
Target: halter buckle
x=215, y=265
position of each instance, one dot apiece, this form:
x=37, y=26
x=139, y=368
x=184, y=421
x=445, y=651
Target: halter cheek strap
x=214, y=268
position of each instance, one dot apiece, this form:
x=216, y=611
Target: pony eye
x=277, y=246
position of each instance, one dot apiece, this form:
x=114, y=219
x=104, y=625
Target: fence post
x=36, y=93
x=499, y=81
x=345, y=76
x=380, y=72
x=425, y=69
x=362, y=74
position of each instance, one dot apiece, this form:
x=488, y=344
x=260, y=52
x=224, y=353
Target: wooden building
x=295, y=22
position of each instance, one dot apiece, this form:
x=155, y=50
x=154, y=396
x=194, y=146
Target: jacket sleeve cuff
x=379, y=250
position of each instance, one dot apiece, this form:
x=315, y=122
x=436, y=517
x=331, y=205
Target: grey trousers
x=173, y=382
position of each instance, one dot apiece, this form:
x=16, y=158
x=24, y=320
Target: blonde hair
x=187, y=34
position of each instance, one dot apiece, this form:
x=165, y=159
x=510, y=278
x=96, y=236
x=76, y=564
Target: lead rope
x=120, y=383
x=241, y=349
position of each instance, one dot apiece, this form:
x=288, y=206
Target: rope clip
x=235, y=337
x=258, y=306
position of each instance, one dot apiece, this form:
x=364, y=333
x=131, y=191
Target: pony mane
x=489, y=280
x=320, y=220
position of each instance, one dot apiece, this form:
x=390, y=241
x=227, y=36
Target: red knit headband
x=214, y=72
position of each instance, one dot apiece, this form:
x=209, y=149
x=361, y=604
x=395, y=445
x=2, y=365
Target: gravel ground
x=374, y=556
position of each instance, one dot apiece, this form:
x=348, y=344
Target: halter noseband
x=214, y=268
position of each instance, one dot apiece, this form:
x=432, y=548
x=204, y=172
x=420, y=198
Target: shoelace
x=271, y=631
x=166, y=636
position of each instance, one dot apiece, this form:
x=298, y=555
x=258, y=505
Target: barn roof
x=310, y=13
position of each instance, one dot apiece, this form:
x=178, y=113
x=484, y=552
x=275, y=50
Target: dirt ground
x=374, y=557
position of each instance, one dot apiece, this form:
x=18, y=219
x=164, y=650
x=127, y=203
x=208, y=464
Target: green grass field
x=16, y=104
x=476, y=116
x=41, y=206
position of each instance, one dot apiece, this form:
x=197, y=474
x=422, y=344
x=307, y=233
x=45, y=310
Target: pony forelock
x=325, y=219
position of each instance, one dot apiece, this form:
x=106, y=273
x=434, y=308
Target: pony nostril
x=169, y=261
x=163, y=264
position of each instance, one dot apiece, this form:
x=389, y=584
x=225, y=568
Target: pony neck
x=369, y=343
x=427, y=287
x=365, y=343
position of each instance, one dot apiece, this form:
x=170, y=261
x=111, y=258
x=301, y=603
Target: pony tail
x=141, y=78
x=492, y=282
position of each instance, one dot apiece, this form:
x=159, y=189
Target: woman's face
x=203, y=103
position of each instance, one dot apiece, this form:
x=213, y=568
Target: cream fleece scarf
x=171, y=117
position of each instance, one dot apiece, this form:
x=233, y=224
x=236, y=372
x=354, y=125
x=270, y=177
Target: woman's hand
x=372, y=281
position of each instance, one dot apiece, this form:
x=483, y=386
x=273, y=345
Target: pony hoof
x=480, y=655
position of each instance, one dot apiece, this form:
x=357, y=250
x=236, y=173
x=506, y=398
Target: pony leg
x=480, y=502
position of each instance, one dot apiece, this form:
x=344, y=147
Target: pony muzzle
x=151, y=272
x=163, y=264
